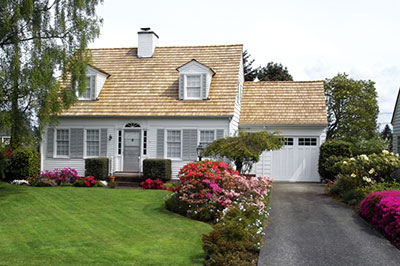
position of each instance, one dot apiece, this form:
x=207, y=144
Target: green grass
x=94, y=226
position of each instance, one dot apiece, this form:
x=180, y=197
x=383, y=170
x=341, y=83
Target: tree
x=249, y=73
x=387, y=136
x=245, y=149
x=352, y=108
x=274, y=72
x=42, y=42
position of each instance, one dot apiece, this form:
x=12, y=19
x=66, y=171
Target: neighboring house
x=162, y=102
x=5, y=138
x=396, y=125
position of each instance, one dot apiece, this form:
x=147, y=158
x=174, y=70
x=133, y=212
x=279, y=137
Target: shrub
x=382, y=209
x=374, y=145
x=174, y=204
x=4, y=162
x=41, y=181
x=88, y=181
x=338, y=148
x=152, y=184
x=384, y=186
x=61, y=176
x=23, y=163
x=157, y=168
x=97, y=167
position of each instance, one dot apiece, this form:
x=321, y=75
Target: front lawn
x=69, y=225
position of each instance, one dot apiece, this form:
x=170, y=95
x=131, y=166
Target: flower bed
x=382, y=209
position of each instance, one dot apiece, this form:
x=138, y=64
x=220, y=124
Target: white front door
x=132, y=150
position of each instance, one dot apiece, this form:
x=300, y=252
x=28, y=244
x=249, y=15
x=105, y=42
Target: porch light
x=110, y=137
x=200, y=151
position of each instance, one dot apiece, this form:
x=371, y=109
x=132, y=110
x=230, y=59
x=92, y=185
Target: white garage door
x=296, y=161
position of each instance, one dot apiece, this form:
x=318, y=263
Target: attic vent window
x=132, y=125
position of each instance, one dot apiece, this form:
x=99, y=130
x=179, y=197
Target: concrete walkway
x=306, y=227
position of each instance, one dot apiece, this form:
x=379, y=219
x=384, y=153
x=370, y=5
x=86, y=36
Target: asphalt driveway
x=306, y=227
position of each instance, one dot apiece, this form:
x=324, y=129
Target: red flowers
x=152, y=184
x=89, y=181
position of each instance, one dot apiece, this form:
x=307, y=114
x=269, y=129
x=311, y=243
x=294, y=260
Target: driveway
x=306, y=227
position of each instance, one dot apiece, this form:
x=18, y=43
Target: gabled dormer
x=194, y=81
x=95, y=79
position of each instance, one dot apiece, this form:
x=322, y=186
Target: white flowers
x=371, y=171
x=385, y=152
x=19, y=182
x=367, y=179
x=353, y=175
x=364, y=157
x=103, y=182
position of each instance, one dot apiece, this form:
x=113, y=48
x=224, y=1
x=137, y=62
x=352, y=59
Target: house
x=162, y=102
x=396, y=125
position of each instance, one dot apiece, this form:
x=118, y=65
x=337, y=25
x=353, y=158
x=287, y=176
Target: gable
x=395, y=114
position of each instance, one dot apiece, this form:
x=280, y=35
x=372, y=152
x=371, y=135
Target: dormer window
x=194, y=81
x=90, y=88
x=95, y=79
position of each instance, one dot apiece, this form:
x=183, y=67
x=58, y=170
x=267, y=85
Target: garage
x=297, y=161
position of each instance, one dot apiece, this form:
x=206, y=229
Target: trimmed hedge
x=331, y=152
x=157, y=168
x=97, y=167
x=24, y=162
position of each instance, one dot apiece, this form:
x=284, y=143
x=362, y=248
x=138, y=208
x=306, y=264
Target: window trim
x=85, y=143
x=185, y=96
x=166, y=144
x=55, y=155
x=205, y=129
x=304, y=142
x=92, y=86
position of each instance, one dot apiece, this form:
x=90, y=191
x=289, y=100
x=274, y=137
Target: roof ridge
x=281, y=81
x=173, y=46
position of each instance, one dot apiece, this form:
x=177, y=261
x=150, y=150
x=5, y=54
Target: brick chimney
x=147, y=41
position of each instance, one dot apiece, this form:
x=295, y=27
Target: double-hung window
x=62, y=140
x=87, y=94
x=206, y=137
x=193, y=86
x=92, y=142
x=174, y=142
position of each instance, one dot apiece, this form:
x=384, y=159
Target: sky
x=314, y=39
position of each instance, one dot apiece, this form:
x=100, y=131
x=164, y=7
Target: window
x=6, y=140
x=87, y=94
x=173, y=143
x=307, y=142
x=207, y=136
x=92, y=142
x=62, y=139
x=144, y=142
x=289, y=141
x=193, y=85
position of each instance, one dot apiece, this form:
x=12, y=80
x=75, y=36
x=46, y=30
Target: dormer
x=194, y=81
x=95, y=79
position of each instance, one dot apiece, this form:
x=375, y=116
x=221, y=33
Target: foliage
x=364, y=191
x=244, y=149
x=4, y=162
x=352, y=108
x=87, y=181
x=65, y=175
x=40, y=40
x=330, y=152
x=152, y=184
x=157, y=168
x=372, y=145
x=97, y=167
x=24, y=162
x=63, y=217
x=249, y=73
x=274, y=72
x=382, y=209
x=387, y=136
x=42, y=181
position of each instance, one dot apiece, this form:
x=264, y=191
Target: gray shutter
x=50, y=143
x=189, y=139
x=220, y=133
x=204, y=86
x=103, y=142
x=181, y=86
x=77, y=142
x=93, y=87
x=160, y=143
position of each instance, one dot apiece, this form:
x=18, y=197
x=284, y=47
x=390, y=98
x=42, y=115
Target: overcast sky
x=314, y=39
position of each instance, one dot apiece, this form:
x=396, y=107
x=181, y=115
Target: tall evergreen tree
x=387, y=136
x=274, y=72
x=42, y=42
x=249, y=73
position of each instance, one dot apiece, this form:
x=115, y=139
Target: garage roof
x=283, y=103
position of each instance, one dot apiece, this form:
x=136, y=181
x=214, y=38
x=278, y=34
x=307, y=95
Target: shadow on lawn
x=7, y=190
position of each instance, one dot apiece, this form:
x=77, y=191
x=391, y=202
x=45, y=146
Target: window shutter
x=77, y=143
x=93, y=88
x=189, y=139
x=50, y=143
x=181, y=86
x=220, y=133
x=103, y=142
x=160, y=143
x=204, y=86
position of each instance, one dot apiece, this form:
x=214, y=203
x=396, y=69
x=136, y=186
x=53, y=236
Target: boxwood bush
x=157, y=168
x=330, y=152
x=97, y=167
x=24, y=162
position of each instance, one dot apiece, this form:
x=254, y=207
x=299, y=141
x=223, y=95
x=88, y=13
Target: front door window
x=131, y=150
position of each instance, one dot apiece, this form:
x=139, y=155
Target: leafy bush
x=65, y=175
x=23, y=163
x=338, y=148
x=152, y=184
x=41, y=181
x=88, y=181
x=384, y=186
x=157, y=168
x=382, y=209
x=4, y=161
x=97, y=167
x=174, y=204
x=374, y=145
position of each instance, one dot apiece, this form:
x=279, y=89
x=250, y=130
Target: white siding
x=396, y=127
x=234, y=124
x=53, y=163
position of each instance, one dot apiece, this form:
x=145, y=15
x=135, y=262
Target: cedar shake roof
x=283, y=103
x=149, y=86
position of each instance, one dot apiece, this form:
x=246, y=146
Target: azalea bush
x=382, y=209
x=152, y=184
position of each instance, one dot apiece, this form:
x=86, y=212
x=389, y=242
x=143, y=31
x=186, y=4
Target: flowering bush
x=382, y=209
x=152, y=184
x=20, y=182
x=210, y=170
x=67, y=175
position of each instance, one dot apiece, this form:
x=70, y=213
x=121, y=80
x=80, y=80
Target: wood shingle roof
x=149, y=86
x=283, y=103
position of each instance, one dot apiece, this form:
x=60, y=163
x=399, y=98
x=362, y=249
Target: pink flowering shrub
x=382, y=209
x=152, y=184
x=55, y=177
